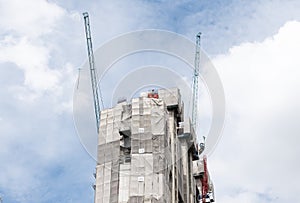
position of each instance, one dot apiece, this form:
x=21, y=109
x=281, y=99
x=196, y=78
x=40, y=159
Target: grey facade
x=147, y=152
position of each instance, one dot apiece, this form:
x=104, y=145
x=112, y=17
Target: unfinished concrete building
x=147, y=152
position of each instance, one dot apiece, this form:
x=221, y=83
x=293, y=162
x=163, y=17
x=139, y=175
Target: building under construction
x=147, y=152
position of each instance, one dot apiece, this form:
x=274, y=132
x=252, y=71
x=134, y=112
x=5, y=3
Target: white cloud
x=31, y=33
x=36, y=102
x=32, y=59
x=31, y=17
x=258, y=153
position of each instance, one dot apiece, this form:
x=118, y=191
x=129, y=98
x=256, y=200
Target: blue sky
x=253, y=45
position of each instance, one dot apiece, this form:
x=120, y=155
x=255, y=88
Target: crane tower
x=94, y=81
x=195, y=82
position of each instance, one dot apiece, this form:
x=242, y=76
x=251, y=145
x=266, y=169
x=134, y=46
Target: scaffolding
x=147, y=152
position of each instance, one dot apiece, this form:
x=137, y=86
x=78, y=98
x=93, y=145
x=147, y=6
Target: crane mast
x=94, y=81
x=206, y=189
x=195, y=82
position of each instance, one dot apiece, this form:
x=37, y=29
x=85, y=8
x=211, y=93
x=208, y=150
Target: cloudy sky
x=253, y=45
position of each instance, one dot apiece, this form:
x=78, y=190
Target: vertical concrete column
x=171, y=131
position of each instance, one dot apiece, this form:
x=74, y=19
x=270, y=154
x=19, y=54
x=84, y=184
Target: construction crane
x=195, y=90
x=206, y=193
x=195, y=82
x=94, y=81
